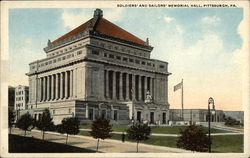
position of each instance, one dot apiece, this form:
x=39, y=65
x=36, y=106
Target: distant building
x=195, y=115
x=21, y=99
x=11, y=97
x=238, y=115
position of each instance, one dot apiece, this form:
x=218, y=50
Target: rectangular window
x=111, y=56
x=105, y=54
x=143, y=63
x=50, y=62
x=125, y=59
x=131, y=60
x=137, y=61
x=95, y=52
x=161, y=66
x=54, y=60
x=149, y=64
x=118, y=57
x=79, y=52
x=63, y=58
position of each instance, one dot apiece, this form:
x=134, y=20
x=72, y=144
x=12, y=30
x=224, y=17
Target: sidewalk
x=107, y=145
x=176, y=135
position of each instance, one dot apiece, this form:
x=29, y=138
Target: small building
x=195, y=115
x=21, y=99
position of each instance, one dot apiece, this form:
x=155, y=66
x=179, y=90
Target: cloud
x=168, y=19
x=212, y=20
x=72, y=19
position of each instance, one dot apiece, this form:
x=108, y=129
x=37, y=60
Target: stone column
x=66, y=85
x=44, y=88
x=133, y=87
x=61, y=85
x=139, y=87
x=127, y=86
x=145, y=86
x=52, y=87
x=71, y=83
x=151, y=87
x=112, y=112
x=120, y=87
x=56, y=86
x=87, y=111
x=114, y=85
x=48, y=90
x=75, y=83
x=107, y=84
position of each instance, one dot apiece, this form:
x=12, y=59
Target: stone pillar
x=112, y=112
x=44, y=88
x=145, y=86
x=133, y=87
x=48, y=90
x=75, y=83
x=66, y=85
x=139, y=87
x=71, y=83
x=120, y=87
x=127, y=86
x=87, y=111
x=114, y=85
x=56, y=86
x=61, y=85
x=107, y=84
x=52, y=87
x=151, y=87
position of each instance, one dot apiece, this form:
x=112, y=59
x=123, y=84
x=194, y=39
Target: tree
x=139, y=132
x=45, y=123
x=100, y=129
x=231, y=121
x=69, y=126
x=11, y=119
x=193, y=138
x=26, y=122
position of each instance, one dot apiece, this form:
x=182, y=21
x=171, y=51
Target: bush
x=231, y=121
x=193, y=138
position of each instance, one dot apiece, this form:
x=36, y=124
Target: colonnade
x=56, y=86
x=127, y=86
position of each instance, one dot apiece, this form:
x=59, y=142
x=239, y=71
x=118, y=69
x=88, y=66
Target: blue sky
x=202, y=45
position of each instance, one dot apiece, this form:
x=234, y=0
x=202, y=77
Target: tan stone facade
x=91, y=74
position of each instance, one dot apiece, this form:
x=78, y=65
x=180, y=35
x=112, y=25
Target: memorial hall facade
x=99, y=69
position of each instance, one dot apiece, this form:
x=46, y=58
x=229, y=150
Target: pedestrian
x=123, y=137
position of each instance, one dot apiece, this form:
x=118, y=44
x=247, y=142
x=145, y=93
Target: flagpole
x=182, y=100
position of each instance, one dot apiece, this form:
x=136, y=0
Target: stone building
x=195, y=115
x=21, y=99
x=99, y=69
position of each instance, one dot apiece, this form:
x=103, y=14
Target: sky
x=203, y=46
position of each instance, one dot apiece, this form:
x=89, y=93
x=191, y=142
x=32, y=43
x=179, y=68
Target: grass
x=158, y=129
x=20, y=144
x=236, y=126
x=226, y=143
x=221, y=144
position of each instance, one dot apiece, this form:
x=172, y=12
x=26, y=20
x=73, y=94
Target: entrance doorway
x=164, y=118
x=138, y=116
x=151, y=117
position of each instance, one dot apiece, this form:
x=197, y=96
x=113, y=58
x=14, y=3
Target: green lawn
x=158, y=129
x=237, y=126
x=221, y=144
x=20, y=144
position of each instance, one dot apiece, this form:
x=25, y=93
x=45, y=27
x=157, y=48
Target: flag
x=178, y=86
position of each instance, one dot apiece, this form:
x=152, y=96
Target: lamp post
x=210, y=102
